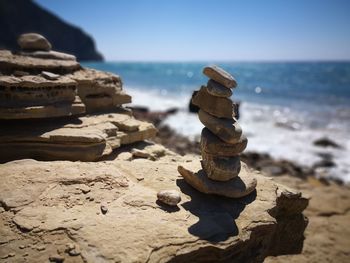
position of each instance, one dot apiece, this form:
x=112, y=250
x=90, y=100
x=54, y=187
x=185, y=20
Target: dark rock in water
x=155, y=117
x=327, y=156
x=21, y=16
x=139, y=109
x=327, y=161
x=325, y=142
x=324, y=163
x=236, y=105
x=191, y=107
x=172, y=110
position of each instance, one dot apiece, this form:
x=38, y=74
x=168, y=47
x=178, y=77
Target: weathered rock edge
x=56, y=203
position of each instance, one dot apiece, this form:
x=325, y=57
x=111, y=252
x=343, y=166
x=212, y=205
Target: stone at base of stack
x=237, y=187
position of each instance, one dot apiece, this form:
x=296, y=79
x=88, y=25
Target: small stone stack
x=51, y=108
x=222, y=140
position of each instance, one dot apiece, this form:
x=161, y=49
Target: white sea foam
x=284, y=133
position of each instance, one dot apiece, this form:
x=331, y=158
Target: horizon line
x=225, y=61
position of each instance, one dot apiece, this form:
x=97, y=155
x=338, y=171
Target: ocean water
x=284, y=106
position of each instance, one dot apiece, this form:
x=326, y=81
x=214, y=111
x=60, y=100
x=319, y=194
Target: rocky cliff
x=20, y=16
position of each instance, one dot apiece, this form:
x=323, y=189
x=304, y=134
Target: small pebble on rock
x=49, y=75
x=104, y=209
x=72, y=250
x=40, y=248
x=56, y=258
x=169, y=197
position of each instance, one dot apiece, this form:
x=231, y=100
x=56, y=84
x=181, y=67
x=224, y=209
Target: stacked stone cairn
x=222, y=140
x=54, y=109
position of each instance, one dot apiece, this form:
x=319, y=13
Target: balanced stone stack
x=30, y=86
x=222, y=141
x=38, y=85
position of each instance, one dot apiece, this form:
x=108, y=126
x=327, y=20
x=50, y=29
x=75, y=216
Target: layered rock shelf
x=86, y=138
x=109, y=211
x=53, y=109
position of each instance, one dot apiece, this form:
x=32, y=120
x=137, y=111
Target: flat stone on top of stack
x=221, y=76
x=33, y=41
x=221, y=141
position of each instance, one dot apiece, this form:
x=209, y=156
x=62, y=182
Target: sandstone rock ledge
x=107, y=212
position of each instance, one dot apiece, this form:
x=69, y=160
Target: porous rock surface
x=86, y=138
x=100, y=91
x=53, y=210
x=10, y=62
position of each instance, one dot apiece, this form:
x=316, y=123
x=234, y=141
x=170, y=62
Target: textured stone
x=33, y=90
x=10, y=63
x=237, y=187
x=100, y=91
x=33, y=41
x=227, y=130
x=216, y=89
x=49, y=75
x=221, y=168
x=328, y=213
x=144, y=132
x=86, y=138
x=36, y=81
x=169, y=197
x=39, y=195
x=149, y=151
x=220, y=76
x=212, y=144
x=40, y=112
x=49, y=55
x=217, y=106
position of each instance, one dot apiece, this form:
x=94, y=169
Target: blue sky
x=203, y=30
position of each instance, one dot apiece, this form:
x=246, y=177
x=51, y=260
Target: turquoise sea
x=284, y=106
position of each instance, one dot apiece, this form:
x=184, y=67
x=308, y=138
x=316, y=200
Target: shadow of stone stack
x=52, y=108
x=222, y=140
